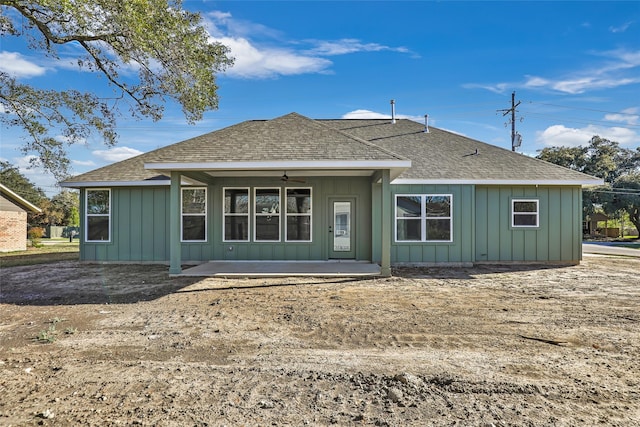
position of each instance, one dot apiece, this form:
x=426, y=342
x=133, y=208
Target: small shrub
x=35, y=236
x=50, y=335
x=47, y=336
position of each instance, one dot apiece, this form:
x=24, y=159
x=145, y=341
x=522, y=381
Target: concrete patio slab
x=283, y=269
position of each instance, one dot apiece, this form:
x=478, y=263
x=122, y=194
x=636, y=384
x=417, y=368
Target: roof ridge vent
x=393, y=111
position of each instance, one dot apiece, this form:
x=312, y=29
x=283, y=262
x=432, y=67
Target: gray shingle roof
x=442, y=155
x=437, y=155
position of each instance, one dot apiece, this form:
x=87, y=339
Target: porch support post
x=175, y=248
x=385, y=240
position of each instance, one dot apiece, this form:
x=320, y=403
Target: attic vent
x=426, y=123
x=393, y=111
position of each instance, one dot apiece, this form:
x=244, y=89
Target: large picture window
x=298, y=215
x=267, y=215
x=194, y=214
x=98, y=215
x=525, y=213
x=424, y=218
x=236, y=215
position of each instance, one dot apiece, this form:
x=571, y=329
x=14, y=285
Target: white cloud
x=368, y=114
x=83, y=162
x=263, y=62
x=365, y=114
x=262, y=52
x=630, y=116
x=607, y=74
x=559, y=135
x=620, y=28
x=116, y=154
x=345, y=46
x=18, y=66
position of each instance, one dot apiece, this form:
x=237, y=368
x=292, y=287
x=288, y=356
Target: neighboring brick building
x=13, y=220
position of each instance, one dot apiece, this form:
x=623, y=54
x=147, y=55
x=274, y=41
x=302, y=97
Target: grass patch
x=50, y=335
x=45, y=254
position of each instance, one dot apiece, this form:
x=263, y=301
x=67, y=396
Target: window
x=267, y=215
x=194, y=214
x=236, y=215
x=524, y=213
x=424, y=218
x=98, y=215
x=298, y=215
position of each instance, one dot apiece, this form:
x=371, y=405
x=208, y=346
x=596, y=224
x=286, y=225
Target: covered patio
x=332, y=268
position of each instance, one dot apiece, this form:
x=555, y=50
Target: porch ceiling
x=292, y=168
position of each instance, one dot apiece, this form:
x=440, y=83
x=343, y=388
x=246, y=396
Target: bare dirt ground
x=126, y=345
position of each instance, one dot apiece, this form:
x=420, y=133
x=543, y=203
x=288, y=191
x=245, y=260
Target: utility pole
x=516, y=138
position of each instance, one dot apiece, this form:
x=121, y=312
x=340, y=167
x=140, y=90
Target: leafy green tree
x=60, y=210
x=168, y=47
x=66, y=202
x=11, y=177
x=602, y=158
x=626, y=197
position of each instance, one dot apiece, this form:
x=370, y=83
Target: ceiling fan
x=285, y=178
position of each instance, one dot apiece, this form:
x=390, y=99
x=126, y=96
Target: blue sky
x=575, y=68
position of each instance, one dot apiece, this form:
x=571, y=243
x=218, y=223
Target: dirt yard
x=100, y=345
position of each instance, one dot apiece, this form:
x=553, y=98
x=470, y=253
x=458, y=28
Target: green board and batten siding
x=140, y=224
x=558, y=237
x=460, y=250
x=482, y=228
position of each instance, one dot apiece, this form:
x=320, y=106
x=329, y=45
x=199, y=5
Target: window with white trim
x=98, y=215
x=424, y=218
x=525, y=213
x=267, y=215
x=194, y=214
x=298, y=215
x=236, y=215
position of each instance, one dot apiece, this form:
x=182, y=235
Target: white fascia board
x=150, y=183
x=278, y=165
x=16, y=198
x=585, y=183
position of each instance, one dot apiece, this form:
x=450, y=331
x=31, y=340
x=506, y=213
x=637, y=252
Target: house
x=391, y=192
x=13, y=220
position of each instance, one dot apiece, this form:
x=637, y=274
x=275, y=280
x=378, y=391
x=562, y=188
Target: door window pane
x=342, y=226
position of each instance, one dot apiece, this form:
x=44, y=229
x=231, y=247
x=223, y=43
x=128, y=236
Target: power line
x=579, y=120
x=626, y=191
x=584, y=109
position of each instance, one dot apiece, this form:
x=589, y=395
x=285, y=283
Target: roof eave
x=22, y=202
x=552, y=182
